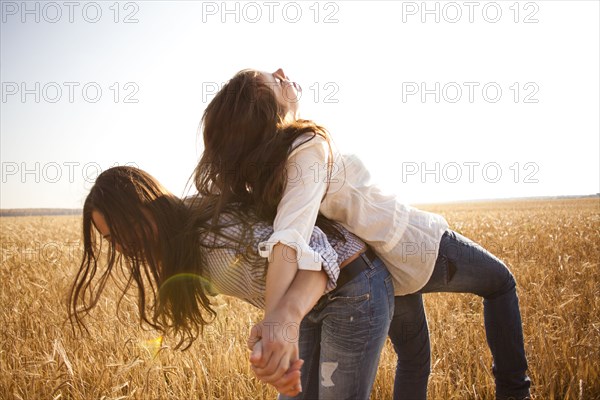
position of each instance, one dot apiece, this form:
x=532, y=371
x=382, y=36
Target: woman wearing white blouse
x=258, y=152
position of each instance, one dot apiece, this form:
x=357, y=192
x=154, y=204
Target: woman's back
x=237, y=269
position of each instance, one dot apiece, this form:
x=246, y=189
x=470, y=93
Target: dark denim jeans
x=341, y=338
x=462, y=266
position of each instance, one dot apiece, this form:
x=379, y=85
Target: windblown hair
x=246, y=145
x=152, y=228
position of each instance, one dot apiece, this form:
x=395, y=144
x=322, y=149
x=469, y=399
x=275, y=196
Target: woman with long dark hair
x=174, y=251
x=258, y=152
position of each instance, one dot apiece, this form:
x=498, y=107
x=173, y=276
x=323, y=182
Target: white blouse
x=405, y=238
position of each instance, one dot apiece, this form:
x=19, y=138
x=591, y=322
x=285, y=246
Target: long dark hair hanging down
x=152, y=227
x=246, y=146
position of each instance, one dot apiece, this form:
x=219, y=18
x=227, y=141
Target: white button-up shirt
x=405, y=238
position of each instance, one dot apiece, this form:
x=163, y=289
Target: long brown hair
x=246, y=146
x=153, y=228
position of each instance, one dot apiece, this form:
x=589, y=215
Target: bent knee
x=505, y=282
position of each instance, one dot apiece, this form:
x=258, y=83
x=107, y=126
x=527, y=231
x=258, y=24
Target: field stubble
x=552, y=247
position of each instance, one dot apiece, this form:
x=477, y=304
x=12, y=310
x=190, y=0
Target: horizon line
x=52, y=211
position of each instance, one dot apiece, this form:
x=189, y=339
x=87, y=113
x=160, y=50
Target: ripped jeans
x=462, y=266
x=341, y=338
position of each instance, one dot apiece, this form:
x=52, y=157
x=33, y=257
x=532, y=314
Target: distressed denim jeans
x=341, y=338
x=462, y=266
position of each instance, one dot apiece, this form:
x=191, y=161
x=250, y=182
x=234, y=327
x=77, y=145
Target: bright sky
x=442, y=100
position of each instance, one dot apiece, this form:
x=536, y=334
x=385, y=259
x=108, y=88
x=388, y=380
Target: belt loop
x=366, y=256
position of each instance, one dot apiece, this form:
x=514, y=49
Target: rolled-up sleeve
x=299, y=206
x=329, y=257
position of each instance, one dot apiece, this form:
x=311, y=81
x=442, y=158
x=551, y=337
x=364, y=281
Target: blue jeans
x=462, y=266
x=341, y=338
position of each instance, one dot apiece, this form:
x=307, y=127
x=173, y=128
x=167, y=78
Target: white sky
x=373, y=58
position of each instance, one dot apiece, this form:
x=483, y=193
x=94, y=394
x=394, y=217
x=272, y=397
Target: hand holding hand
x=289, y=384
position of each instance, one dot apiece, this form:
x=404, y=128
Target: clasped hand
x=274, y=358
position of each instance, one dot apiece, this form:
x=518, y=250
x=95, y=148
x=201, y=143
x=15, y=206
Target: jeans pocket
x=353, y=297
x=350, y=299
x=354, y=291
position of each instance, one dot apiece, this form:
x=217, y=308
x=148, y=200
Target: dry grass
x=553, y=248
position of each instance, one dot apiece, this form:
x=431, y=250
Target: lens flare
x=152, y=346
x=173, y=281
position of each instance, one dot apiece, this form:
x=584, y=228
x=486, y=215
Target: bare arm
x=280, y=275
x=293, y=284
x=306, y=289
x=290, y=295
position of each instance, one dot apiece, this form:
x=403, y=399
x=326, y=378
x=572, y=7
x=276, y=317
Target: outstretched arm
x=297, y=272
x=276, y=361
x=290, y=295
x=281, y=272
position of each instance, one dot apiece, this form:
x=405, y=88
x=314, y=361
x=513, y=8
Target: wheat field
x=552, y=247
